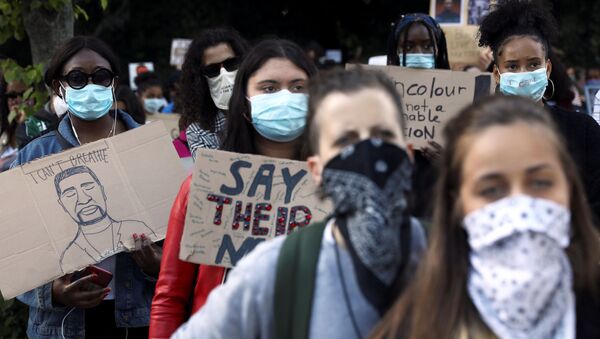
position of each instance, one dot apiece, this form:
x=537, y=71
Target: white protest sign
x=178, y=49
x=72, y=209
x=239, y=200
x=432, y=97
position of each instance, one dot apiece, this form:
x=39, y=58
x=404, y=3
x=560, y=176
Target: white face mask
x=221, y=88
x=520, y=278
x=59, y=105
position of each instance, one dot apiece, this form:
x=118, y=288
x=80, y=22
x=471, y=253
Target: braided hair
x=402, y=26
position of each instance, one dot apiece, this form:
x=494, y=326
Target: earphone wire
x=113, y=129
x=62, y=325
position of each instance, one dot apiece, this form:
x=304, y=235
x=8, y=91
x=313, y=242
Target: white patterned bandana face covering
x=520, y=278
x=368, y=183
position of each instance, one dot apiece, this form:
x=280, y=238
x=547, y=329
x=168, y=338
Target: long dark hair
x=437, y=304
x=403, y=25
x=133, y=107
x=194, y=94
x=239, y=136
x=67, y=50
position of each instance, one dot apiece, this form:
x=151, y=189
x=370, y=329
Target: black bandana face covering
x=368, y=183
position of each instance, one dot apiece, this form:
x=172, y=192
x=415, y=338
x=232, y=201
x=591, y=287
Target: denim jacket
x=133, y=289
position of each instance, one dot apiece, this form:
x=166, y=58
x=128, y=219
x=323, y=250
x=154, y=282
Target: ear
x=496, y=74
x=315, y=166
x=56, y=89
x=548, y=68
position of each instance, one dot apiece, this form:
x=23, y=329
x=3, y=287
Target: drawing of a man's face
x=82, y=196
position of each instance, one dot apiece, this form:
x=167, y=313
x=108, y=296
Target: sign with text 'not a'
x=432, y=97
x=237, y=201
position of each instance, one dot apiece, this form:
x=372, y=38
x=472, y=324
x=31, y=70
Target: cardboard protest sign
x=239, y=200
x=462, y=44
x=178, y=49
x=170, y=120
x=432, y=97
x=137, y=68
x=69, y=210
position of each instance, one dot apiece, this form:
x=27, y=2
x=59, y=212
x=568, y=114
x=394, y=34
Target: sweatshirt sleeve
x=242, y=307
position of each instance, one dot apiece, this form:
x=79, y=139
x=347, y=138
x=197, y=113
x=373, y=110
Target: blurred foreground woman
x=513, y=252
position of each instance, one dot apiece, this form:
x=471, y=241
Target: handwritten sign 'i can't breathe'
x=237, y=201
x=430, y=98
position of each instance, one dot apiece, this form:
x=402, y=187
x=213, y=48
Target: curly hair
x=194, y=94
x=518, y=18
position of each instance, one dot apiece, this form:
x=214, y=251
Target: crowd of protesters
x=492, y=233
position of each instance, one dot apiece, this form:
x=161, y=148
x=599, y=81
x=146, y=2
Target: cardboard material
x=170, y=120
x=431, y=97
x=462, y=44
x=178, y=49
x=239, y=200
x=69, y=210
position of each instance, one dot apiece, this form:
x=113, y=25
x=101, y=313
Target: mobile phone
x=102, y=278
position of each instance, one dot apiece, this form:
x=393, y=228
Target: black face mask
x=368, y=183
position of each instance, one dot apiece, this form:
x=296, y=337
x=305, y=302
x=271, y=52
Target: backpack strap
x=295, y=281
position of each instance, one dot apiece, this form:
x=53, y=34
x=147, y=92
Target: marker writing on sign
x=431, y=91
x=257, y=218
x=77, y=159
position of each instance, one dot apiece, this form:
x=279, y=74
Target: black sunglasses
x=214, y=70
x=77, y=79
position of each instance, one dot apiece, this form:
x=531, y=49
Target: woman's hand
x=147, y=255
x=81, y=293
x=433, y=152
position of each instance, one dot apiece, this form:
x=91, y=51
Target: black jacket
x=582, y=135
x=587, y=316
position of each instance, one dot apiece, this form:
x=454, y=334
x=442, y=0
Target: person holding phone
x=84, y=73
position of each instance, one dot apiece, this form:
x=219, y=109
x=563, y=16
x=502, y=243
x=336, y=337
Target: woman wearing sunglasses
x=208, y=74
x=84, y=73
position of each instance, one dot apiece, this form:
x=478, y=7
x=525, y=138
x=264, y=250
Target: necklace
x=345, y=292
x=112, y=130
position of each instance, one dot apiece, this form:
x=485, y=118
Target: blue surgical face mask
x=418, y=60
x=153, y=105
x=279, y=116
x=89, y=103
x=526, y=84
